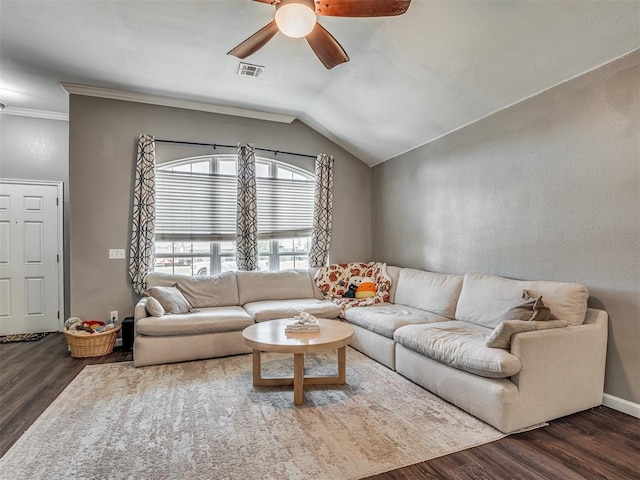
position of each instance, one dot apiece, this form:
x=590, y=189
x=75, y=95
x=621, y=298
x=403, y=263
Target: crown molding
x=26, y=112
x=100, y=92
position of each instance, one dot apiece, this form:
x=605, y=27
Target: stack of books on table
x=295, y=327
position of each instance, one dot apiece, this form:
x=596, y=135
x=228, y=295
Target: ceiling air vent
x=249, y=70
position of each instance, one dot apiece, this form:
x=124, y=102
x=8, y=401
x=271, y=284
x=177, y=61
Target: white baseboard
x=622, y=405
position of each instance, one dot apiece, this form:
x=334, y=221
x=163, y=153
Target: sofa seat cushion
x=386, y=318
x=460, y=345
x=205, y=320
x=274, y=309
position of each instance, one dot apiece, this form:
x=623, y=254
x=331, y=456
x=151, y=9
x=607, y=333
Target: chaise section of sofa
x=561, y=372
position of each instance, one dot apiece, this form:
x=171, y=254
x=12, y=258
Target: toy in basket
x=91, y=338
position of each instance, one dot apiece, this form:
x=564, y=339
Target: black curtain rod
x=215, y=145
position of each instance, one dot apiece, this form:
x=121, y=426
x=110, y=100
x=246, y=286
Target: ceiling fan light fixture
x=295, y=20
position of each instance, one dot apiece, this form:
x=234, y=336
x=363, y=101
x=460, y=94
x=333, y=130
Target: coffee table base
x=299, y=380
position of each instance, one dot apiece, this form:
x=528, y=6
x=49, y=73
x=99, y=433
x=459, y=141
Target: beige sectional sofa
x=433, y=331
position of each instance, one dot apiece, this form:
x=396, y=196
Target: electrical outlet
x=114, y=316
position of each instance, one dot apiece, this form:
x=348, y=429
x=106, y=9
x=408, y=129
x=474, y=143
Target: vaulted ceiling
x=411, y=78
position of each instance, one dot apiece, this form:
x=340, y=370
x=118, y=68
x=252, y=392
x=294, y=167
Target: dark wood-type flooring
x=596, y=444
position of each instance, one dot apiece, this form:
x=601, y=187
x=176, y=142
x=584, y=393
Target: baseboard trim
x=622, y=405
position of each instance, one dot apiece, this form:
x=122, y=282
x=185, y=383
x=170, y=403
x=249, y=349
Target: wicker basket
x=94, y=345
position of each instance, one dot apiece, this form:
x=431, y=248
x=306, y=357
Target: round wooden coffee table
x=270, y=336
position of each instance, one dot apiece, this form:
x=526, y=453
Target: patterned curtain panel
x=143, y=214
x=247, y=213
x=322, y=212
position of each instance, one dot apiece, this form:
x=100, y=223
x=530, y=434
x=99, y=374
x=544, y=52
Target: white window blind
x=200, y=206
x=285, y=208
x=195, y=206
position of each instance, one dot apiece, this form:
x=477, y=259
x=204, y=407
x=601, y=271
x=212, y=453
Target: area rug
x=22, y=337
x=205, y=420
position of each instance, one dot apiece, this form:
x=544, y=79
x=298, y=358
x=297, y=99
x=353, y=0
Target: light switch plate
x=116, y=253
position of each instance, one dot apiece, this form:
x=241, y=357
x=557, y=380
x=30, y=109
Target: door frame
x=60, y=239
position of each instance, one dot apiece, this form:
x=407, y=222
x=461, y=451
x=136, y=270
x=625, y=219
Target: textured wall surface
x=38, y=149
x=102, y=146
x=546, y=189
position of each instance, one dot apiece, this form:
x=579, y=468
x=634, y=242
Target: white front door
x=29, y=257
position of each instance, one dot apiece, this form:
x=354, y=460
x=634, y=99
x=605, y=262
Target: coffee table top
x=270, y=336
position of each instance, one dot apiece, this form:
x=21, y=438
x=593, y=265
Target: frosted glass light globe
x=295, y=20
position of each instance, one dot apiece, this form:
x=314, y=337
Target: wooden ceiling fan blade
x=327, y=48
x=255, y=42
x=361, y=8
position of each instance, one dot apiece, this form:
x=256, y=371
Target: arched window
x=196, y=215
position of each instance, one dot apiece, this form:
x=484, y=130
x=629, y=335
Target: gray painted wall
x=102, y=141
x=38, y=149
x=546, y=189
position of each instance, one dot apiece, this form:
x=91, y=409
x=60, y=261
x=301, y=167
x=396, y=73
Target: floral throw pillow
x=334, y=280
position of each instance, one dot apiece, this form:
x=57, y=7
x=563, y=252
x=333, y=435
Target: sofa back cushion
x=206, y=291
x=434, y=292
x=394, y=274
x=485, y=299
x=282, y=285
x=316, y=291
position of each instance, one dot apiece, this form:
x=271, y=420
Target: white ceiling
x=411, y=78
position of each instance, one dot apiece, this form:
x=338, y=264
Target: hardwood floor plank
x=596, y=444
x=32, y=375
x=510, y=460
x=600, y=446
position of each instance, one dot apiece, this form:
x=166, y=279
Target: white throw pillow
x=154, y=307
x=501, y=335
x=170, y=298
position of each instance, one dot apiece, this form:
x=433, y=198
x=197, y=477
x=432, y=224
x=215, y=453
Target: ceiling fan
x=297, y=18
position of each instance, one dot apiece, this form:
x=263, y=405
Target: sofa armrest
x=141, y=310
x=563, y=362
